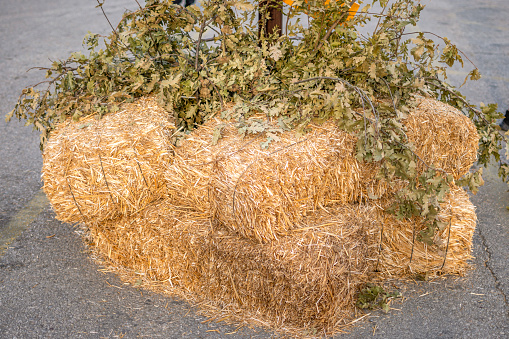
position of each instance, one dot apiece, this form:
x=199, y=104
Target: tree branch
x=202, y=27
x=319, y=43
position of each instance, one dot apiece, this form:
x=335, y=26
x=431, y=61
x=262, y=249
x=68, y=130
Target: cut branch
x=320, y=42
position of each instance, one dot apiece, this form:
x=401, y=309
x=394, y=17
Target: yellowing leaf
x=173, y=82
x=243, y=6
x=372, y=71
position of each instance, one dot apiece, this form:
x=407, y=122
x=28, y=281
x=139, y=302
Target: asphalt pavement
x=51, y=288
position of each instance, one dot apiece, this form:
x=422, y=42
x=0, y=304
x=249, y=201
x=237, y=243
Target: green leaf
x=216, y=135
x=172, y=82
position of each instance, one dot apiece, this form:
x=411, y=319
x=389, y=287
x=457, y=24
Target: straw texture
x=100, y=169
x=307, y=280
x=443, y=136
x=263, y=193
x=189, y=174
x=280, y=237
x=403, y=254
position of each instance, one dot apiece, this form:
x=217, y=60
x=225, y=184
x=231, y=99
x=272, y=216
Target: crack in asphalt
x=491, y=270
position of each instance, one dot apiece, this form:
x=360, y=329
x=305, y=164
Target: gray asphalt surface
x=50, y=288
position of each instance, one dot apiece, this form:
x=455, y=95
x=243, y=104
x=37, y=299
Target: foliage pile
x=374, y=296
x=314, y=72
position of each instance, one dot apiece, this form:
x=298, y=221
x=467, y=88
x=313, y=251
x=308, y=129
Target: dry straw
x=443, y=136
x=263, y=193
x=100, y=169
x=306, y=280
x=189, y=174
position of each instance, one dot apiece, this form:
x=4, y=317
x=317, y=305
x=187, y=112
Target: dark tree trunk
x=275, y=22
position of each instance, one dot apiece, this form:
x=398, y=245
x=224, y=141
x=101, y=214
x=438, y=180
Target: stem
x=380, y=18
x=138, y=4
x=319, y=43
x=104, y=13
x=398, y=42
x=288, y=19
x=448, y=240
x=217, y=91
x=202, y=27
x=413, y=245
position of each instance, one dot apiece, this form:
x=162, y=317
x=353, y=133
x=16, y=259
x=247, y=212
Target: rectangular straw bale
x=308, y=280
x=402, y=254
x=263, y=193
x=443, y=136
x=100, y=169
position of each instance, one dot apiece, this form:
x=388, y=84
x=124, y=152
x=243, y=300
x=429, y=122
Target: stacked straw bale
x=307, y=280
x=283, y=235
x=95, y=170
x=263, y=193
x=443, y=136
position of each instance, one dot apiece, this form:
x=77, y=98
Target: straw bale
x=263, y=193
x=100, y=169
x=402, y=254
x=443, y=136
x=308, y=280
